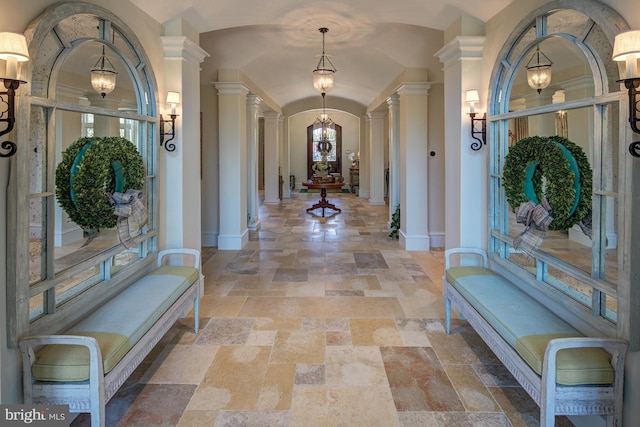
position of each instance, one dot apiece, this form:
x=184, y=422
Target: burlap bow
x=132, y=215
x=536, y=218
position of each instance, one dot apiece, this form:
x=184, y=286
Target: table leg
x=324, y=203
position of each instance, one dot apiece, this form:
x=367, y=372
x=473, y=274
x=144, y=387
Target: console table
x=323, y=203
x=354, y=179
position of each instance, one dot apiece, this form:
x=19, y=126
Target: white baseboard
x=414, y=242
x=233, y=242
x=209, y=239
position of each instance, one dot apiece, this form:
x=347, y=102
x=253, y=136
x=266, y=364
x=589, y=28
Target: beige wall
x=298, y=140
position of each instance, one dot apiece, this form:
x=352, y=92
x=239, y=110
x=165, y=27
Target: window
x=62, y=271
x=576, y=269
x=313, y=154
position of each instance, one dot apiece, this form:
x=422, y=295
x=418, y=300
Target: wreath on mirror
x=91, y=169
x=551, y=168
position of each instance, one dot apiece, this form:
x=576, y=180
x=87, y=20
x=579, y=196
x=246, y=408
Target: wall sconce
x=13, y=49
x=173, y=98
x=626, y=47
x=471, y=98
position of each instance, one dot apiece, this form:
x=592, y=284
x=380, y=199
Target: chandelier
x=103, y=75
x=323, y=74
x=323, y=127
x=539, y=72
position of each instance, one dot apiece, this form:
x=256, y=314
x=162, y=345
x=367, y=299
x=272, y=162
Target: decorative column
x=232, y=119
x=253, y=110
x=376, y=157
x=285, y=167
x=179, y=197
x=363, y=156
x=414, y=194
x=394, y=153
x=271, y=161
x=466, y=204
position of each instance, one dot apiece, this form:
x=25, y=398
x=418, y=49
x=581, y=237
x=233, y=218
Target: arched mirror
x=554, y=82
x=90, y=79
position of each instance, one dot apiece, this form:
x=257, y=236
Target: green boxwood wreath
x=567, y=175
x=89, y=168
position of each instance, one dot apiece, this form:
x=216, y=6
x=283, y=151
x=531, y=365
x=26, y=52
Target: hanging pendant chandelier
x=323, y=127
x=103, y=75
x=323, y=74
x=539, y=72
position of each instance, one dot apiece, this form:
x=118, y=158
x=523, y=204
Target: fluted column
x=253, y=110
x=393, y=103
x=271, y=160
x=414, y=194
x=376, y=157
x=232, y=119
x=466, y=196
x=180, y=198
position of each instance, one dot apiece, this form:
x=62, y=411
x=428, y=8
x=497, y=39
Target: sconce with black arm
x=13, y=49
x=173, y=98
x=8, y=116
x=627, y=48
x=478, y=126
x=633, y=89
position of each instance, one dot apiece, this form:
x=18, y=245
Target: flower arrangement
x=321, y=167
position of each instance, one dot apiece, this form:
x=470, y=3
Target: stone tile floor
x=321, y=322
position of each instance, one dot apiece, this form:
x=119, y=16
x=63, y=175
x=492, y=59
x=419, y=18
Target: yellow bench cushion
x=527, y=326
x=71, y=362
x=574, y=366
x=118, y=325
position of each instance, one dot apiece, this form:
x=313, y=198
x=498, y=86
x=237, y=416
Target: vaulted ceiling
x=275, y=43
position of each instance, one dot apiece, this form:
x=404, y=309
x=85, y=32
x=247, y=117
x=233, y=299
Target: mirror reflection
x=86, y=62
x=561, y=71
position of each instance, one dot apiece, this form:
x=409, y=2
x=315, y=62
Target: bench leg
x=196, y=314
x=447, y=314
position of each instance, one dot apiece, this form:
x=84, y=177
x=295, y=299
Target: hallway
x=321, y=322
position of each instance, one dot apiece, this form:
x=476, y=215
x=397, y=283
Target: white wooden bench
x=85, y=366
x=509, y=321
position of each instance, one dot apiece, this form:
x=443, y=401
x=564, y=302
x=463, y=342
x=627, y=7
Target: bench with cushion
x=87, y=364
x=564, y=372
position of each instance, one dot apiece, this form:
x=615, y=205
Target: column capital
x=393, y=100
x=231, y=88
x=413, y=89
x=377, y=115
x=182, y=48
x=461, y=48
x=273, y=115
x=253, y=100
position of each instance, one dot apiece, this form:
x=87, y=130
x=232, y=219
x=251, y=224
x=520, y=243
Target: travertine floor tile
x=321, y=322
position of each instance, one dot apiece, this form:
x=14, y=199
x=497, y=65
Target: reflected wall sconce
x=480, y=135
x=173, y=98
x=13, y=49
x=626, y=48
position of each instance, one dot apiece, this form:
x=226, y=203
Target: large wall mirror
x=68, y=265
x=578, y=266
